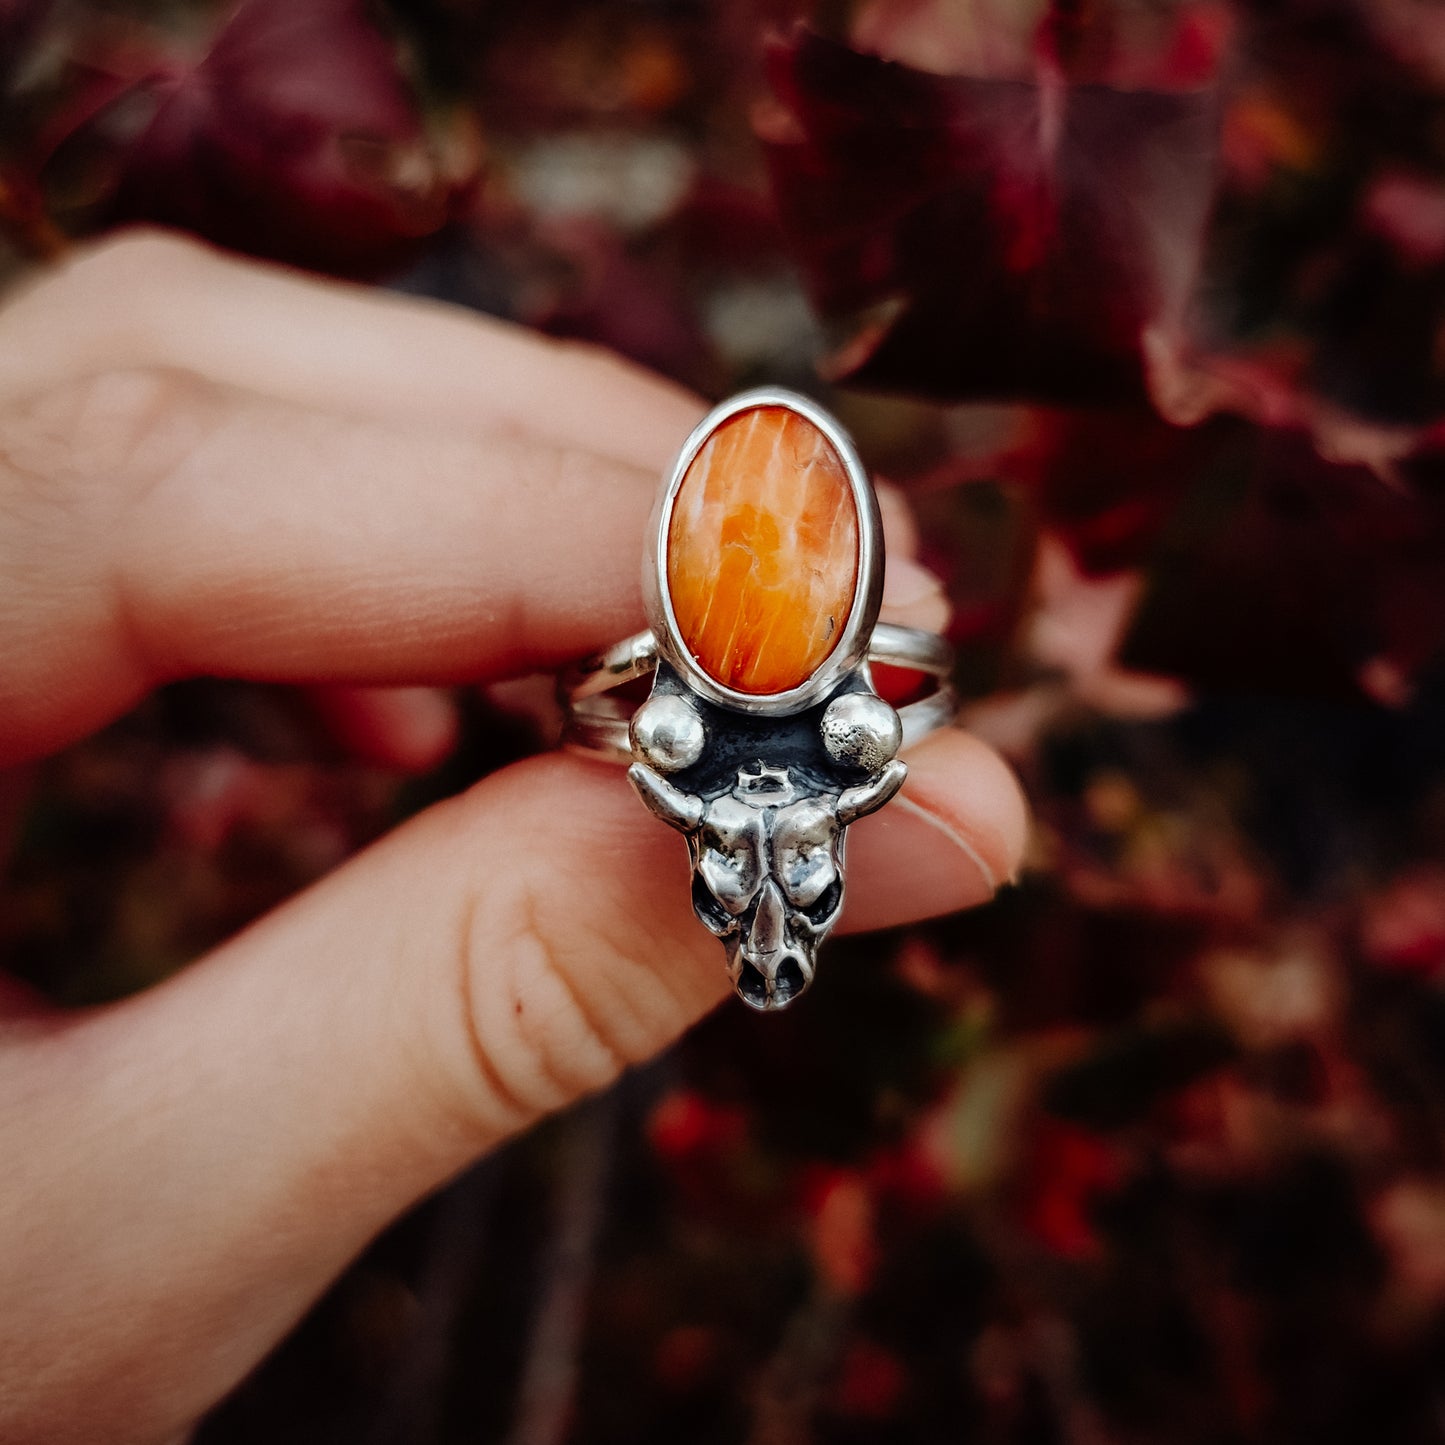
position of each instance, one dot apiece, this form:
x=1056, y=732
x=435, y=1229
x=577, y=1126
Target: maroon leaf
x=1106, y=480
x=986, y=237
x=1323, y=280
x=1283, y=573
x=619, y=301
x=293, y=136
x=20, y=22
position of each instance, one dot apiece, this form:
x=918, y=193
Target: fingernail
x=426, y=723
x=966, y=848
x=411, y=728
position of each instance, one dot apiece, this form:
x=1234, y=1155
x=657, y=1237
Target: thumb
x=186, y=1170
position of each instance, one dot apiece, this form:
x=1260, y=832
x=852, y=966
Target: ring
x=763, y=736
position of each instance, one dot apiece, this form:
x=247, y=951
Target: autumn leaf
x=292, y=133
x=985, y=237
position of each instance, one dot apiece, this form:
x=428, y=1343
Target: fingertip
x=410, y=729
x=950, y=840
x=969, y=787
x=900, y=531
x=914, y=597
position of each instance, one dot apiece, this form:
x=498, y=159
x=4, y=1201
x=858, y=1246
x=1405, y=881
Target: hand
x=207, y=467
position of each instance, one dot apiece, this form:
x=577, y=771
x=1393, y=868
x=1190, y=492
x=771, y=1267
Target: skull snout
x=771, y=967
x=767, y=934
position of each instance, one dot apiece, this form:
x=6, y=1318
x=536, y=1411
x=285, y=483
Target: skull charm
x=767, y=865
x=764, y=805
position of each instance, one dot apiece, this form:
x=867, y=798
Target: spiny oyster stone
x=762, y=551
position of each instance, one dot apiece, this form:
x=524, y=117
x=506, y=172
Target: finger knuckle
x=541, y=1033
x=98, y=438
x=142, y=257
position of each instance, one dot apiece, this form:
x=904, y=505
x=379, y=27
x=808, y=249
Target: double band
x=597, y=725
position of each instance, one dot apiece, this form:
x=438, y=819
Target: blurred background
x=1143, y=303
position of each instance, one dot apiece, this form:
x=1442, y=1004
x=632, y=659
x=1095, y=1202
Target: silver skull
x=767, y=868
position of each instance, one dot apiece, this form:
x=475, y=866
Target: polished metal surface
x=667, y=733
x=597, y=724
x=861, y=731
x=767, y=855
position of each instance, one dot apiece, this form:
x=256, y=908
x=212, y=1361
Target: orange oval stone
x=762, y=551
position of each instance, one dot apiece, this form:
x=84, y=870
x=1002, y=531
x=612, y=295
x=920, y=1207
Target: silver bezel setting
x=852, y=647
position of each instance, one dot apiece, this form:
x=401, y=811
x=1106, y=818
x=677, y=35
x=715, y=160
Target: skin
x=209, y=467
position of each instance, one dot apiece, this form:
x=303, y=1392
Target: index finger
x=211, y=467
x=154, y=300
x=162, y=527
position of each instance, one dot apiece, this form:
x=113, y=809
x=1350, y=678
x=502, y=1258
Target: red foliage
x=292, y=134
x=1291, y=574
x=686, y=1126
x=1069, y=1169
x=845, y=1250
x=1323, y=272
x=871, y=1381
x=985, y=237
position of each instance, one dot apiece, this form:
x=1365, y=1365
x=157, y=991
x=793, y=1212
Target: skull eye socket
x=713, y=915
x=805, y=852
x=821, y=913
x=730, y=851
x=806, y=873
x=732, y=875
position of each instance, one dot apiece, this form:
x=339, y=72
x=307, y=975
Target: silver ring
x=763, y=736
x=599, y=726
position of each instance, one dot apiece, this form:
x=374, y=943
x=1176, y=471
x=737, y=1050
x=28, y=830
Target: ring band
x=763, y=737
x=597, y=726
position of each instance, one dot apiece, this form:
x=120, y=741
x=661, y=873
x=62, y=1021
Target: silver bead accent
x=860, y=730
x=667, y=733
